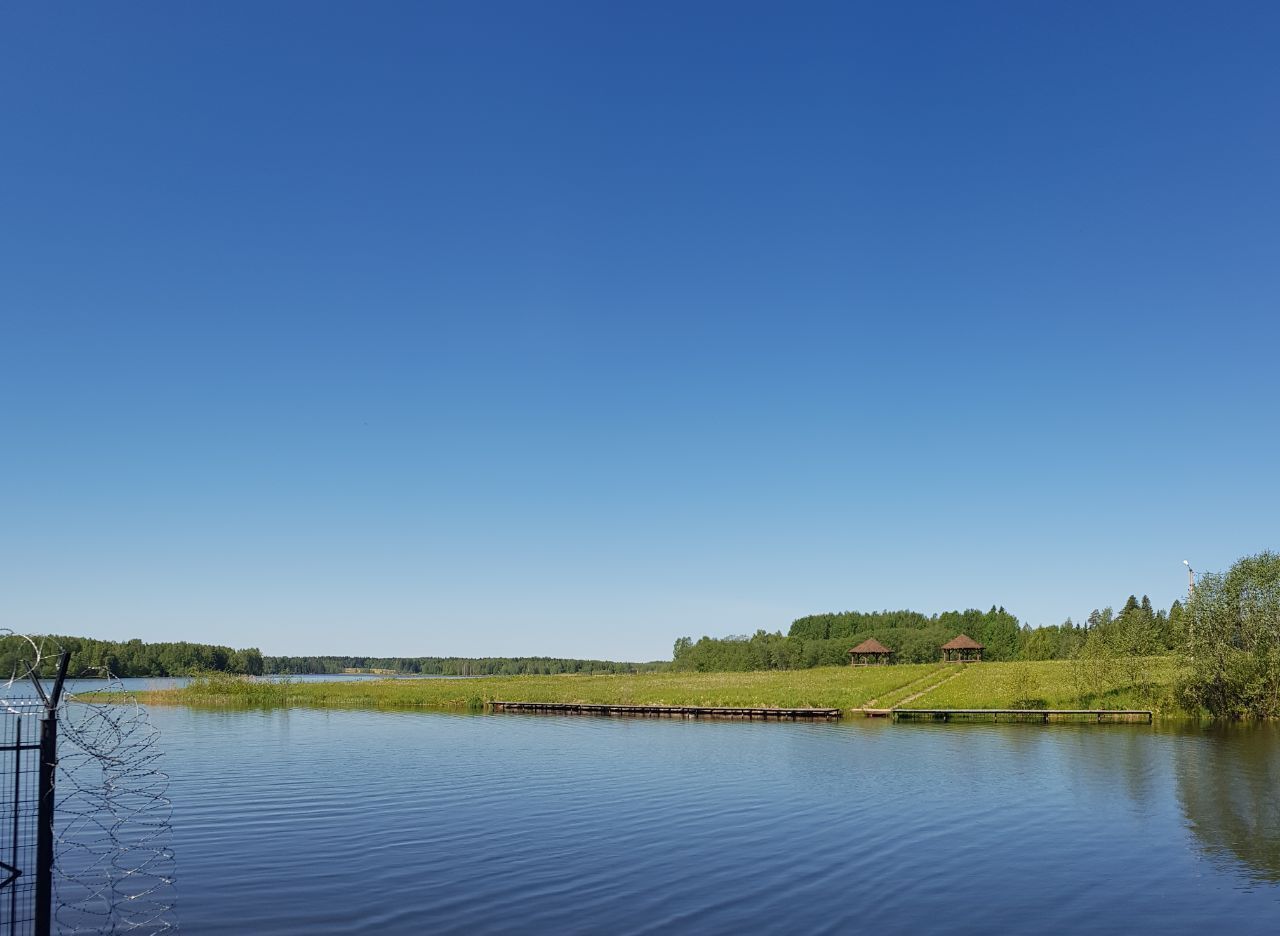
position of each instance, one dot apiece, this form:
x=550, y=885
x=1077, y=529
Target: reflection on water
x=1229, y=788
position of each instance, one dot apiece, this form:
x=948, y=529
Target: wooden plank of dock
x=668, y=711
x=1122, y=715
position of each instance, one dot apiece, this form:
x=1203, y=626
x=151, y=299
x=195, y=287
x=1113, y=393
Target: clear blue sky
x=514, y=328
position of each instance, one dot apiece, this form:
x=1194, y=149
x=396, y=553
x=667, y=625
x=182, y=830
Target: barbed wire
x=114, y=864
x=114, y=859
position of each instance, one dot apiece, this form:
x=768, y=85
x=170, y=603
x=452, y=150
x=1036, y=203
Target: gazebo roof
x=962, y=642
x=871, y=645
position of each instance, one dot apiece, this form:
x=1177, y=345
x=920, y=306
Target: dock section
x=1041, y=715
x=667, y=711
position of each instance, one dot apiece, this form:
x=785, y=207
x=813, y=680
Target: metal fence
x=20, y=776
x=84, y=813
x=28, y=768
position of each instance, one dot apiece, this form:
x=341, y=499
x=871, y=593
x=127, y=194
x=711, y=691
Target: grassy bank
x=1147, y=684
x=1055, y=684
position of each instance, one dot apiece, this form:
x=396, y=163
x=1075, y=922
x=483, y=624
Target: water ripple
x=338, y=822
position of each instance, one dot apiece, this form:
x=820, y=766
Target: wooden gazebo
x=868, y=652
x=962, y=649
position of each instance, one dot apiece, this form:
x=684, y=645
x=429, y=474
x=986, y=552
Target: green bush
x=1231, y=652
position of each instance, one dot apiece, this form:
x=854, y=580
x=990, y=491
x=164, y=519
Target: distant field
x=1056, y=684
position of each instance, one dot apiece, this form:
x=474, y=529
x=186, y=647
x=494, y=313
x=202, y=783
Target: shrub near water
x=1024, y=689
x=1231, y=651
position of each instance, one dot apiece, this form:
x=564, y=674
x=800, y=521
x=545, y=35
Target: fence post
x=44, y=813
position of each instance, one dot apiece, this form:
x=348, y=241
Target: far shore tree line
x=453, y=666
x=129, y=658
x=91, y=657
x=137, y=658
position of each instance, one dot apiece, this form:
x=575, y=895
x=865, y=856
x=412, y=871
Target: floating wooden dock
x=667, y=711
x=809, y=714
x=1043, y=715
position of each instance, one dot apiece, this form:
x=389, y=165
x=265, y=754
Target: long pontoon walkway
x=1011, y=714
x=669, y=711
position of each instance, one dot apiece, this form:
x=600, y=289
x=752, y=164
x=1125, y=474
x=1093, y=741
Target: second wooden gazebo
x=868, y=652
x=962, y=649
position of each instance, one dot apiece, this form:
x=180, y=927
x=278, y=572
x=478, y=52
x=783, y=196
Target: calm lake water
x=303, y=821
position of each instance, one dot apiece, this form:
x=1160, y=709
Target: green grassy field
x=1056, y=684
x=829, y=687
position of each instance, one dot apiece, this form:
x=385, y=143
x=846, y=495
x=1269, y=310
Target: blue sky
x=574, y=328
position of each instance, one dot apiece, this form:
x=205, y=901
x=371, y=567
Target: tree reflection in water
x=1228, y=779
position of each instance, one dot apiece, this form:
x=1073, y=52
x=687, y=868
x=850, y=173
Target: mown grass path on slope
x=946, y=678
x=928, y=679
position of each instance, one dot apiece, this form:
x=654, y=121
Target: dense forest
x=91, y=657
x=453, y=666
x=825, y=639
